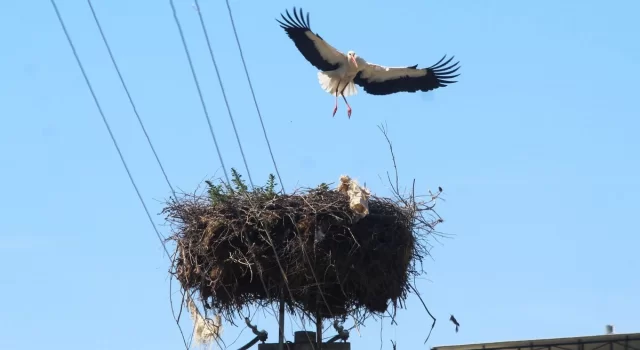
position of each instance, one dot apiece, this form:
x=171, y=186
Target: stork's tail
x=330, y=84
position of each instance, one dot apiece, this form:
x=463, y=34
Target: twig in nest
x=429, y=312
x=384, y=129
x=173, y=312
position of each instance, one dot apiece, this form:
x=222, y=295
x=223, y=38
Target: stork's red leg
x=335, y=108
x=348, y=107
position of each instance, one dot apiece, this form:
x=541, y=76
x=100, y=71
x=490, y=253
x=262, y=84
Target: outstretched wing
x=320, y=54
x=379, y=80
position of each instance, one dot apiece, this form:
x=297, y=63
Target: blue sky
x=536, y=148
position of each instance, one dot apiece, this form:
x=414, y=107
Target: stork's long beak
x=353, y=59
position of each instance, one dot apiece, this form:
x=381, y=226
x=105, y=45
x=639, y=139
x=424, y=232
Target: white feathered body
x=337, y=79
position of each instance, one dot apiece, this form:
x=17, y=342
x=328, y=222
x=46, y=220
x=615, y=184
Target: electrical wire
x=106, y=124
x=89, y=85
x=224, y=94
x=255, y=101
x=205, y=31
x=201, y=99
x=133, y=106
x=195, y=79
x=246, y=70
x=111, y=133
x=177, y=21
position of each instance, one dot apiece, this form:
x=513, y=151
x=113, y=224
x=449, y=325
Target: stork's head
x=351, y=56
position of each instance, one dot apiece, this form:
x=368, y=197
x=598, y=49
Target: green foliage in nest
x=222, y=192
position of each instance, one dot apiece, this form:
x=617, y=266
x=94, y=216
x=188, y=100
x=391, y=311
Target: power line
x=177, y=21
x=255, y=101
x=195, y=79
x=109, y=128
x=263, y=128
x=205, y=31
x=224, y=95
x=106, y=124
x=124, y=85
x=135, y=111
x=268, y=143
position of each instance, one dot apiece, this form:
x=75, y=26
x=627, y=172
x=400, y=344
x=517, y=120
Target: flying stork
x=339, y=72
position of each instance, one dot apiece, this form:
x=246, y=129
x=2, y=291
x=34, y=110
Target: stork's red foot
x=335, y=109
x=349, y=112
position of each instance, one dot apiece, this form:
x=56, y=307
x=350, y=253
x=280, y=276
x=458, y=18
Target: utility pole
x=281, y=321
x=319, y=329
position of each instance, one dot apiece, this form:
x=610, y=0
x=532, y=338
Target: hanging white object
x=206, y=330
x=358, y=196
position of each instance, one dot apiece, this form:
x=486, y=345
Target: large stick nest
x=233, y=252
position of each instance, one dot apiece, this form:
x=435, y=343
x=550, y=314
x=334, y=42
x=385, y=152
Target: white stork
x=339, y=72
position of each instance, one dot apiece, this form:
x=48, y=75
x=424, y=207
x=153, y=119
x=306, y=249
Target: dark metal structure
x=301, y=341
x=259, y=335
x=630, y=341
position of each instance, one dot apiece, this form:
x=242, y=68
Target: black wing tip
x=441, y=66
x=297, y=21
x=443, y=71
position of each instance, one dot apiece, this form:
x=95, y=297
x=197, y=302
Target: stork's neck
x=351, y=67
x=361, y=63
